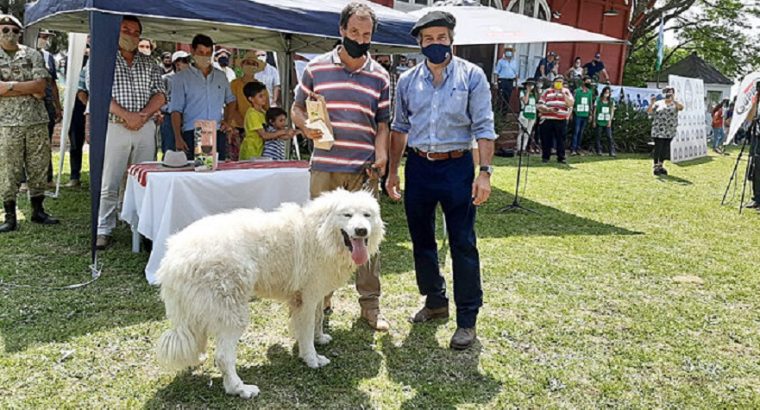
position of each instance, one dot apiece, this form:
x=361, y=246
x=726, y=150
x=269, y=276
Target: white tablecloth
x=171, y=201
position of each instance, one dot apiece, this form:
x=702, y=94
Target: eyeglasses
x=7, y=30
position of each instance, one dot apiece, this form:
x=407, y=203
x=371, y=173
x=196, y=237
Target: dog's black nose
x=360, y=231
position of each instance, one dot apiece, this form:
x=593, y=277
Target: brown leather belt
x=440, y=156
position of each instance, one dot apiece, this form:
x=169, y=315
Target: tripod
x=516, y=202
x=752, y=137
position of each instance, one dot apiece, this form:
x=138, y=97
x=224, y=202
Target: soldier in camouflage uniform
x=23, y=124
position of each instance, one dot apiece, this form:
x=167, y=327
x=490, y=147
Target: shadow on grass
x=491, y=223
x=534, y=160
x=55, y=256
x=285, y=381
x=698, y=161
x=673, y=179
x=440, y=377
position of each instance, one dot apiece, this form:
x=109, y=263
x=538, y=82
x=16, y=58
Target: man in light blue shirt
x=442, y=105
x=201, y=92
x=508, y=72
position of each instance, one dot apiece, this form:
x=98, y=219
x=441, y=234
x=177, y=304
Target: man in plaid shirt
x=138, y=93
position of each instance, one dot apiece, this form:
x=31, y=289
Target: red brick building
x=608, y=17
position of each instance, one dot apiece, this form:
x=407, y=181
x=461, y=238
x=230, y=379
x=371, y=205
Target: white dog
x=215, y=266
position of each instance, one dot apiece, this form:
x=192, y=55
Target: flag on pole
x=660, y=45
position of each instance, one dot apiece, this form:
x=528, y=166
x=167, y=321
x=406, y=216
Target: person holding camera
x=664, y=126
x=527, y=118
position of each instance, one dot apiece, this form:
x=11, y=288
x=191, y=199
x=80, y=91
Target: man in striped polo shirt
x=356, y=89
x=555, y=106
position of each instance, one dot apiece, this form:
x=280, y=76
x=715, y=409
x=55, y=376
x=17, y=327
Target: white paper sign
x=691, y=136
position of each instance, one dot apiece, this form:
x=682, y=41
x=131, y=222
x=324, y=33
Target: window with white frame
x=530, y=54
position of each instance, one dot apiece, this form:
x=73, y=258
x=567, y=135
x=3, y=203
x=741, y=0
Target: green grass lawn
x=583, y=308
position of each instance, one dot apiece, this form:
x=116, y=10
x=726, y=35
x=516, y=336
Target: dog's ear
x=322, y=214
x=378, y=226
x=378, y=233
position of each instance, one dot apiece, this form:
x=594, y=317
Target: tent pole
x=285, y=75
x=104, y=36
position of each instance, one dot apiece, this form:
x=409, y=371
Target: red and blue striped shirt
x=356, y=102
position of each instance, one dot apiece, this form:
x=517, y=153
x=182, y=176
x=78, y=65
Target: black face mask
x=354, y=49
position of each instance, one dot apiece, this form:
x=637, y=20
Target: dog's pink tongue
x=359, y=254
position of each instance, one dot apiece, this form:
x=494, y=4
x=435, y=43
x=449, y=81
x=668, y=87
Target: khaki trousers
x=123, y=148
x=368, y=275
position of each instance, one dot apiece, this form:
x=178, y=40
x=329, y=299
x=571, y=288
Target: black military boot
x=38, y=212
x=10, y=217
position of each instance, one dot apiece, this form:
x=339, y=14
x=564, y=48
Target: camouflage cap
x=8, y=20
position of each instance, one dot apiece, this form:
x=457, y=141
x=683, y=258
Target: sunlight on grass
x=626, y=290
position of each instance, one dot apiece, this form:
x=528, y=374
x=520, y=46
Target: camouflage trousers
x=23, y=146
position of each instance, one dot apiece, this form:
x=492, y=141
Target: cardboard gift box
x=206, y=157
x=319, y=119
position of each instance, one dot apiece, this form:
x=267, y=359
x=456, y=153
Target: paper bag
x=319, y=119
x=205, y=145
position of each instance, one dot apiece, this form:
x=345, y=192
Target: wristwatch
x=487, y=168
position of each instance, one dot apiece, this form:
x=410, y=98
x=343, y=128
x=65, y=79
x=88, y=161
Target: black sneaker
x=562, y=161
x=544, y=160
x=664, y=171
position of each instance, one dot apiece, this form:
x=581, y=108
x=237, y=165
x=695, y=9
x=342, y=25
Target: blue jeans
x=580, y=126
x=221, y=144
x=718, y=135
x=608, y=131
x=448, y=182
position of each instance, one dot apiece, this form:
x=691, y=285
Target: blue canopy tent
x=285, y=26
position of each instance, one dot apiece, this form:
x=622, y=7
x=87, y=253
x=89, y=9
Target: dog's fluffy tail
x=179, y=349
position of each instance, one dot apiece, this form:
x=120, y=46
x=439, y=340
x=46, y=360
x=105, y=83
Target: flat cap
x=8, y=20
x=45, y=32
x=434, y=19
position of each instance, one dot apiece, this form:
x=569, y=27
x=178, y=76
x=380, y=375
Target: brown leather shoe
x=426, y=314
x=463, y=338
x=375, y=320
x=74, y=183
x=102, y=242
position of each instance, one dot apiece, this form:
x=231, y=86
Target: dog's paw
x=323, y=361
x=316, y=361
x=245, y=391
x=322, y=339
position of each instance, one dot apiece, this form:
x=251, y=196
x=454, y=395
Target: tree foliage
x=719, y=31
